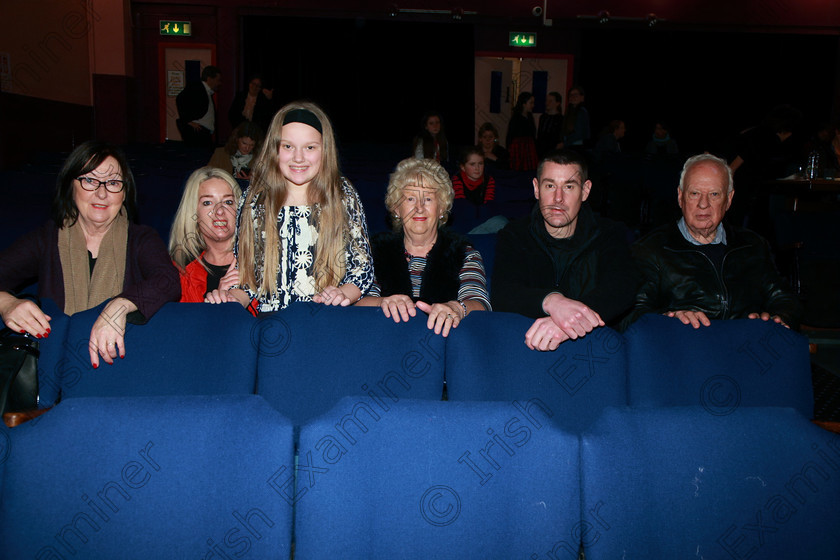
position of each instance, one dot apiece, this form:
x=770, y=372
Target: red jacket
x=194, y=282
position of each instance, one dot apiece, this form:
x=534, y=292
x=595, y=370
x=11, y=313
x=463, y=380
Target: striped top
x=472, y=276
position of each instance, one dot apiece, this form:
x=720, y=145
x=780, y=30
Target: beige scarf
x=81, y=290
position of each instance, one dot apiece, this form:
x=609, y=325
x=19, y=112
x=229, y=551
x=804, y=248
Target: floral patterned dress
x=298, y=239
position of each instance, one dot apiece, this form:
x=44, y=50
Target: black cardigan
x=441, y=278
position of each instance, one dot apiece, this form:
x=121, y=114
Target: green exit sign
x=519, y=39
x=183, y=28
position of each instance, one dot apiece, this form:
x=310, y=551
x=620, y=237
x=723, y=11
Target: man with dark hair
x=699, y=269
x=562, y=265
x=196, y=109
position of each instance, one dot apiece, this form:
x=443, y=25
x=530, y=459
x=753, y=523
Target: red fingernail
x=37, y=336
x=22, y=331
x=95, y=366
x=122, y=356
x=49, y=331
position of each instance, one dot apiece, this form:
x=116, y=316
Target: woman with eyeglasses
x=90, y=252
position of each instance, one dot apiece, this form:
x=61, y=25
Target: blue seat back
x=746, y=362
x=487, y=360
x=311, y=355
x=52, y=354
x=184, y=349
x=680, y=482
x=422, y=479
x=148, y=477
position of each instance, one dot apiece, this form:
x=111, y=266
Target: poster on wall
x=5, y=72
x=174, y=82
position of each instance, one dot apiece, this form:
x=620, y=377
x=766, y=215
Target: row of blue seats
x=306, y=357
x=215, y=477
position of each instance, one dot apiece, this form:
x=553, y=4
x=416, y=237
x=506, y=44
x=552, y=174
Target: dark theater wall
x=374, y=78
x=708, y=85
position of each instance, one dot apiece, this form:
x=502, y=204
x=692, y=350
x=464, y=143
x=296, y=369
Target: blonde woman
x=301, y=230
x=201, y=240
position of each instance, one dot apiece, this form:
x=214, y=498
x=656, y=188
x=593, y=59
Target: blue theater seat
x=184, y=349
x=422, y=479
x=746, y=362
x=148, y=477
x=311, y=355
x=759, y=483
x=487, y=360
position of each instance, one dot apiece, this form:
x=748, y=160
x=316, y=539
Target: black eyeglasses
x=91, y=184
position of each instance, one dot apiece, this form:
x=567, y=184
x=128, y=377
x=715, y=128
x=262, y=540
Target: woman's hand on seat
x=23, y=315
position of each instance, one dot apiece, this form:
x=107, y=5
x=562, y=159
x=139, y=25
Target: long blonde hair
x=268, y=188
x=186, y=242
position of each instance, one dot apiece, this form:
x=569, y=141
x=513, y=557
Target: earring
x=441, y=216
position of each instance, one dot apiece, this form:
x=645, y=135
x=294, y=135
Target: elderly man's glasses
x=91, y=184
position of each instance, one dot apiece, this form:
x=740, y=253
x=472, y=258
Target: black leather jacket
x=678, y=276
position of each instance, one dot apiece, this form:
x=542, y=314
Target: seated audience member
x=661, y=144
x=472, y=183
x=431, y=143
x=90, y=252
x=562, y=265
x=254, y=105
x=495, y=156
x=237, y=155
x=609, y=143
x=201, y=240
x=422, y=265
x=301, y=233
x=698, y=268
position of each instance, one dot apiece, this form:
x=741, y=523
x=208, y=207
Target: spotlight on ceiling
x=603, y=17
x=394, y=11
x=651, y=20
x=457, y=14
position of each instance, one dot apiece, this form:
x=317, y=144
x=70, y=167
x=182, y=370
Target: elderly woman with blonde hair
x=421, y=264
x=201, y=240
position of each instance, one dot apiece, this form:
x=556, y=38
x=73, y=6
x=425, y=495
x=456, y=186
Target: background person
x=522, y=134
x=422, y=265
x=301, y=230
x=255, y=105
x=550, y=129
x=201, y=240
x=576, y=128
x=495, y=156
x=472, y=183
x=661, y=145
x=197, y=110
x=236, y=156
x=88, y=253
x=431, y=143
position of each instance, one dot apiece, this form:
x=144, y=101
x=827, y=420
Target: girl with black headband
x=301, y=230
